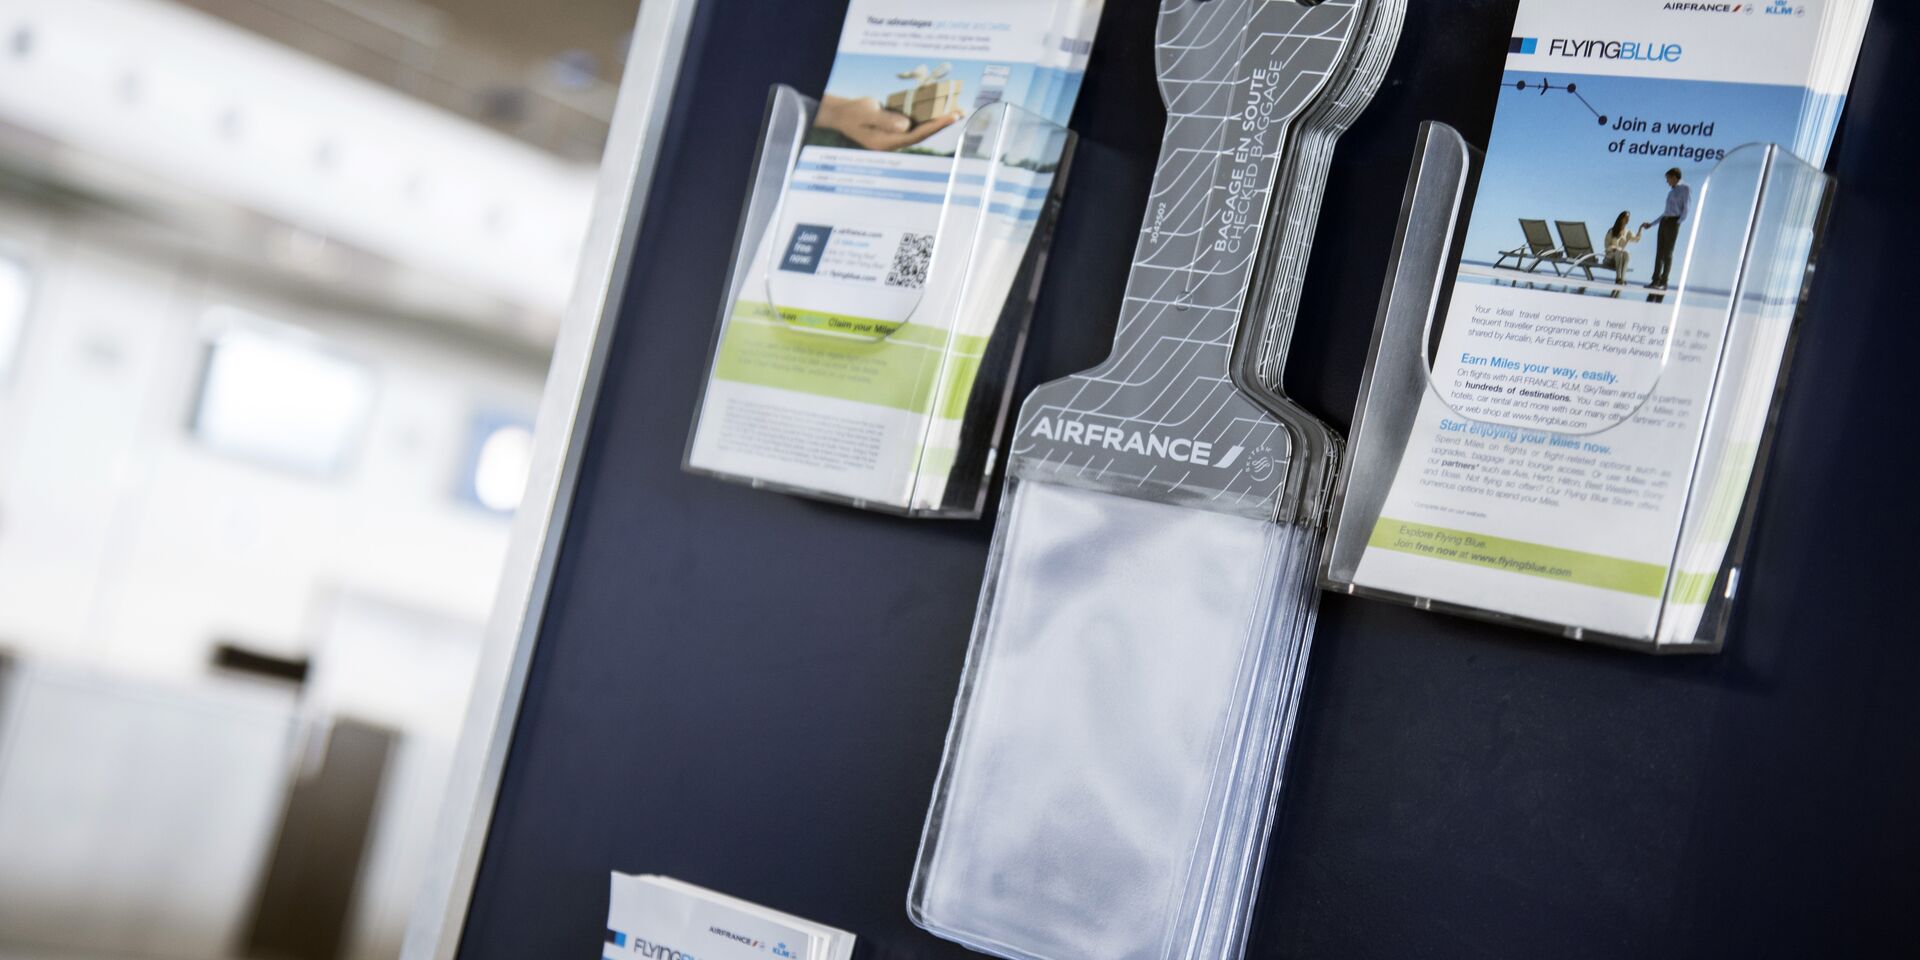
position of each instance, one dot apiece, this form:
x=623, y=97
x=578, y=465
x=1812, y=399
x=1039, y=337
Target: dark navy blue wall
x=750, y=692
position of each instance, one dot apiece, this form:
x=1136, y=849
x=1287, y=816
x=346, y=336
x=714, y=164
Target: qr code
x=910, y=261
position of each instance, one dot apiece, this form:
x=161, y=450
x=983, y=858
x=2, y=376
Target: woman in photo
x=1617, y=240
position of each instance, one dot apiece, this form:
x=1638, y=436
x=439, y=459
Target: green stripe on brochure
x=1723, y=505
x=840, y=324
x=1516, y=556
x=1694, y=589
x=800, y=352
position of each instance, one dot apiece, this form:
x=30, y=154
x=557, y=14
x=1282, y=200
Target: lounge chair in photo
x=1539, y=246
x=1577, y=245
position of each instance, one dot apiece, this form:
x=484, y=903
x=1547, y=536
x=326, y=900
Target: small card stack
x=651, y=917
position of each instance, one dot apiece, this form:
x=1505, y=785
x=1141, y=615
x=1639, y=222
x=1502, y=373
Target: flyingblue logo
x=641, y=947
x=1523, y=45
x=1644, y=52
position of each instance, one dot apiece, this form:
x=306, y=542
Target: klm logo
x=1782, y=8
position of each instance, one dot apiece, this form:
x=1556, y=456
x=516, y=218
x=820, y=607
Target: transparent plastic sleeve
x=1111, y=754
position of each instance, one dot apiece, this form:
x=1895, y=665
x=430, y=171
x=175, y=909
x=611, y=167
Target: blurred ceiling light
x=16, y=287
x=141, y=99
x=500, y=472
x=277, y=395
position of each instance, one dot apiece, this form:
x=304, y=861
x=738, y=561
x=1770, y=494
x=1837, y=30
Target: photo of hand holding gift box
x=873, y=126
x=897, y=109
x=935, y=93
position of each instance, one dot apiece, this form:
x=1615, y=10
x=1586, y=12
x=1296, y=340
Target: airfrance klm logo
x=1123, y=440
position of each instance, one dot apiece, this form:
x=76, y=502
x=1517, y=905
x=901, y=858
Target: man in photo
x=1679, y=197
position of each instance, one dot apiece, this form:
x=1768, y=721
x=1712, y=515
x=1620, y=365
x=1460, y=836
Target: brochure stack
x=867, y=349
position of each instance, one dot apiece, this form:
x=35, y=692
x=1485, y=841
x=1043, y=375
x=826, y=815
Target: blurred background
x=278, y=284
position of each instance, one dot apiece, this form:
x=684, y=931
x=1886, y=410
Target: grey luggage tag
x=1111, y=770
x=1161, y=418
x=1260, y=353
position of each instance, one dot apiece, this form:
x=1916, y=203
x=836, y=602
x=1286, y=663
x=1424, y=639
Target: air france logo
x=1681, y=7
x=1123, y=440
x=777, y=949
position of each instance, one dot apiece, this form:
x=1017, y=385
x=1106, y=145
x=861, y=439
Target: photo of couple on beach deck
x=1590, y=183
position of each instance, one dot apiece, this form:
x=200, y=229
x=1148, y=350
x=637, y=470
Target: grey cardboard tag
x=1162, y=418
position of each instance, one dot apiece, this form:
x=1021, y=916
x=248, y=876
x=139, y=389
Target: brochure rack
x=940, y=356
x=1734, y=310
x=752, y=692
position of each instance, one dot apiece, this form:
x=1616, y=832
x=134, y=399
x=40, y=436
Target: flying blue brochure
x=855, y=330
x=1547, y=475
x=656, y=917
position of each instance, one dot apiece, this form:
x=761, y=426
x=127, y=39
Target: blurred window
x=279, y=396
x=16, y=285
x=500, y=454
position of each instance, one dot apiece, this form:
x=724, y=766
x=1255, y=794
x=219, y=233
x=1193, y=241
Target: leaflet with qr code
x=854, y=255
x=844, y=327
x=910, y=261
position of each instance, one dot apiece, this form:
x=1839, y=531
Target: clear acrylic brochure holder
x=1706, y=376
x=867, y=364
